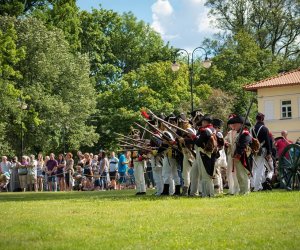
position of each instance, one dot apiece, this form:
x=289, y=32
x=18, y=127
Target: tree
x=10, y=55
x=117, y=44
x=57, y=89
x=19, y=7
x=215, y=104
x=96, y=32
x=239, y=62
x=274, y=24
x=135, y=43
x=65, y=16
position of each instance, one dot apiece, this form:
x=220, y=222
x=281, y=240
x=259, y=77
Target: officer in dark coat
x=242, y=154
x=206, y=155
x=261, y=132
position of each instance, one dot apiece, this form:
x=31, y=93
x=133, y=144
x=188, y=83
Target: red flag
x=144, y=114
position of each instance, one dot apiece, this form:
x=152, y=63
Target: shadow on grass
x=94, y=195
x=91, y=195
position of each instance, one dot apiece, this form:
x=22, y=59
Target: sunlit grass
x=120, y=220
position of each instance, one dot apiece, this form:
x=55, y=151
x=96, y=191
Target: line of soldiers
x=196, y=146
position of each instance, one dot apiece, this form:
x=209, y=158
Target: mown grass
x=120, y=220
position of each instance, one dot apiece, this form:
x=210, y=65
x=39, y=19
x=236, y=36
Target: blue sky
x=184, y=23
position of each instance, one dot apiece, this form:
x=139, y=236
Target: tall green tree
x=10, y=55
x=19, y=7
x=97, y=28
x=274, y=24
x=65, y=15
x=57, y=89
x=118, y=44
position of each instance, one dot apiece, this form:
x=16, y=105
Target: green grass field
x=120, y=220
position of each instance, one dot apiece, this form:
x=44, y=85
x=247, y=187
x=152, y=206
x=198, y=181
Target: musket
x=174, y=133
x=173, y=146
x=129, y=138
x=137, y=146
x=244, y=121
x=168, y=123
x=151, y=133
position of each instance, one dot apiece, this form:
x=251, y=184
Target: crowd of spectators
x=88, y=172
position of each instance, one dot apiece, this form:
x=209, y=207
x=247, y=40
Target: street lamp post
x=206, y=64
x=23, y=107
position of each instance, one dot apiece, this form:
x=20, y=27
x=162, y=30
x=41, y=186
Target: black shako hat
x=171, y=117
x=238, y=119
x=196, y=112
x=218, y=123
x=260, y=117
x=207, y=118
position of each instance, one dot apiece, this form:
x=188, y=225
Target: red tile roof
x=284, y=79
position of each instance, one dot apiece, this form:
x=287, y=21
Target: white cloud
x=197, y=2
x=162, y=8
x=161, y=15
x=184, y=23
x=205, y=23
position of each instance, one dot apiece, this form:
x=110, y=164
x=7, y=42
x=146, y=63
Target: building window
x=286, y=109
x=269, y=110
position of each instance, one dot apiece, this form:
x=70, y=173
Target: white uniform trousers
x=233, y=184
x=186, y=168
x=206, y=180
x=139, y=167
x=270, y=170
x=258, y=171
x=170, y=173
x=221, y=162
x=196, y=187
x=242, y=176
x=157, y=174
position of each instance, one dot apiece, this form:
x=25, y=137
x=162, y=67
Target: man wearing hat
x=230, y=145
x=261, y=132
x=195, y=186
x=241, y=156
x=186, y=146
x=221, y=161
x=206, y=155
x=170, y=164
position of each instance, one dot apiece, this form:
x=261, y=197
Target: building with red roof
x=279, y=99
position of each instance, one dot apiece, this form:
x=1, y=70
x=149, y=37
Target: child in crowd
x=78, y=174
x=131, y=180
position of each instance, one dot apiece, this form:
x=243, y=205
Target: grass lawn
x=120, y=220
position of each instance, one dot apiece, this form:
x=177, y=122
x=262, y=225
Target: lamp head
x=175, y=66
x=206, y=63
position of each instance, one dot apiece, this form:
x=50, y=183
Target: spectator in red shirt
x=282, y=143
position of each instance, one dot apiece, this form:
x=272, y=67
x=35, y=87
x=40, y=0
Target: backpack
x=255, y=145
x=212, y=144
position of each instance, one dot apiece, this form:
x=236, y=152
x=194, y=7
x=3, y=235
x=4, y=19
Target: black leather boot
x=185, y=191
x=166, y=189
x=177, y=190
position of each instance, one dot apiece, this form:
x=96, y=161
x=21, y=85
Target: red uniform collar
x=205, y=127
x=246, y=131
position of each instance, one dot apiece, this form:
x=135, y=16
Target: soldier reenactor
x=187, y=148
x=206, y=155
x=221, y=161
x=242, y=153
x=263, y=157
